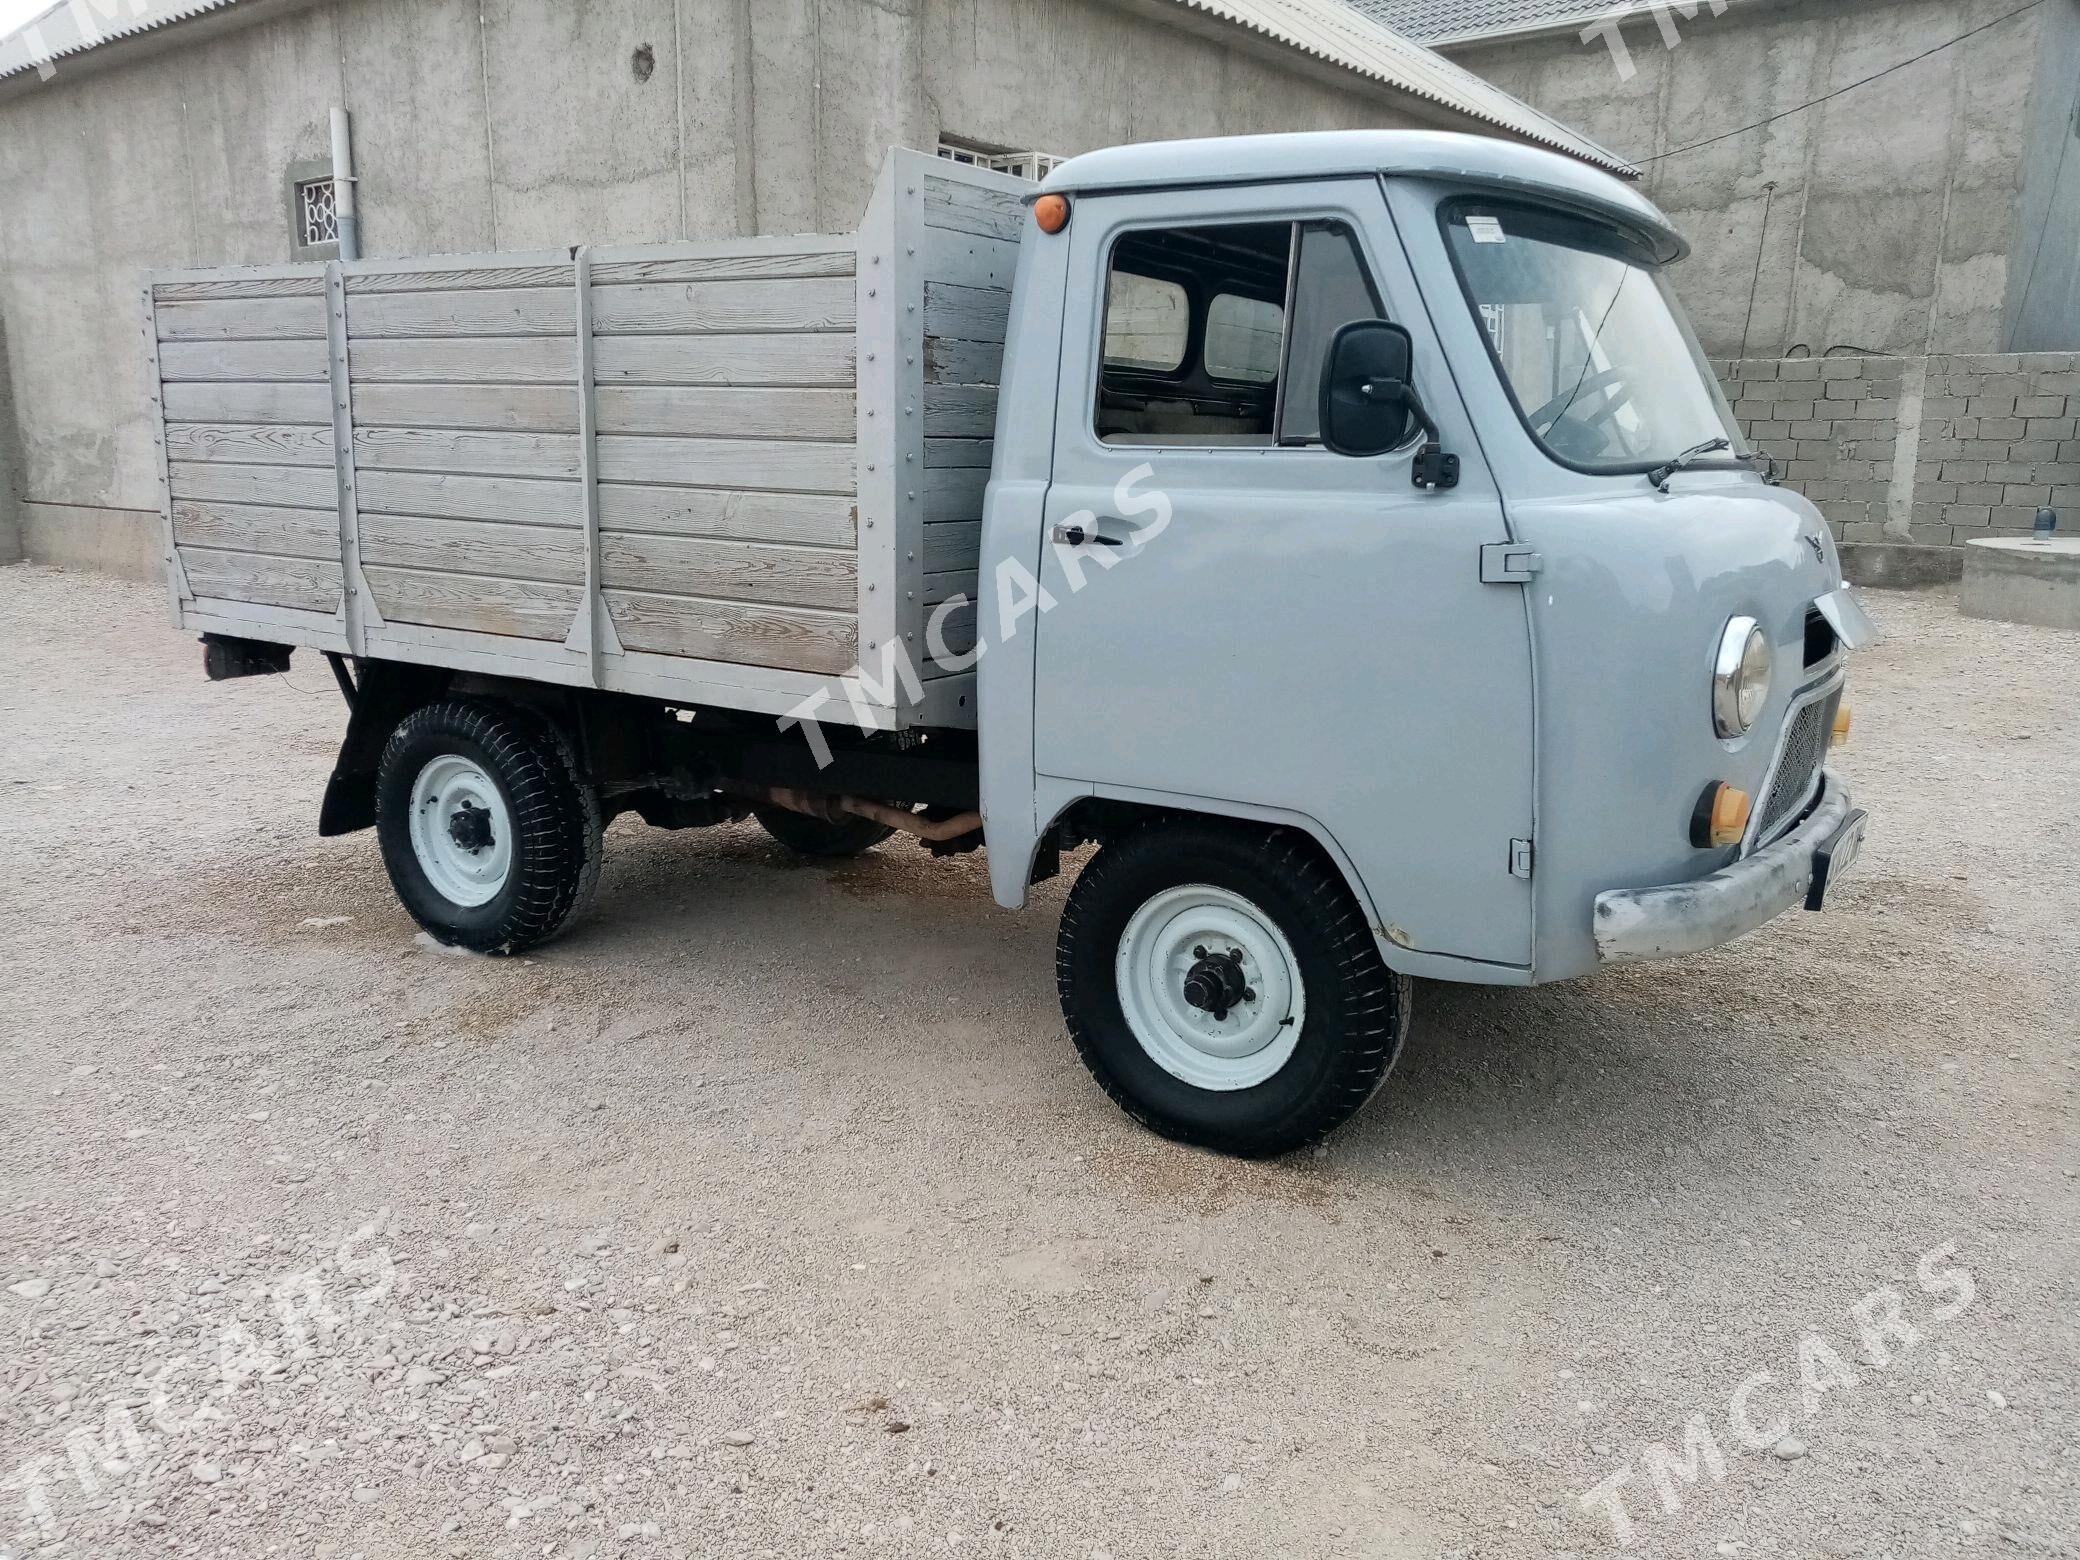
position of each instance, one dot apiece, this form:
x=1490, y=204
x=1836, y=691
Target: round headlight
x=1740, y=677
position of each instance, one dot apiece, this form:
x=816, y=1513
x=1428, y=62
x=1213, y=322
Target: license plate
x=1835, y=856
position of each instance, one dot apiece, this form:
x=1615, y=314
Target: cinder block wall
x=1931, y=450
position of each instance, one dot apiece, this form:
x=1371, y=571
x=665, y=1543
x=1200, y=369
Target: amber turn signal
x=1051, y=212
x=1839, y=737
x=1721, y=816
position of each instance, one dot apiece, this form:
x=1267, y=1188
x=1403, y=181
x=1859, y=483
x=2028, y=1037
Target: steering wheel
x=1585, y=434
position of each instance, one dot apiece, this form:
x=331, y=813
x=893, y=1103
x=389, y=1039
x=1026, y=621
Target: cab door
x=1236, y=618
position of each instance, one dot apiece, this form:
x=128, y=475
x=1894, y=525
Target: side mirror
x=1369, y=400
x=1365, y=388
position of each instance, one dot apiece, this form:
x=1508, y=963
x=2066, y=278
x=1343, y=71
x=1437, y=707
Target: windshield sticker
x=1485, y=230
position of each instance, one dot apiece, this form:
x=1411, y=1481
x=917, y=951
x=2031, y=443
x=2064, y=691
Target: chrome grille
x=1799, y=761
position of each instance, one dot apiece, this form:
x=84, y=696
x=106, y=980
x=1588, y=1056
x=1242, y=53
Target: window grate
x=317, y=213
x=1020, y=165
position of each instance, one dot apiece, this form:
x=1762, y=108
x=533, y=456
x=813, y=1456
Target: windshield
x=1589, y=338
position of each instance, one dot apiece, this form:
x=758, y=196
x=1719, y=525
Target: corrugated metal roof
x=1332, y=31
x=75, y=26
x=1447, y=21
x=1328, y=30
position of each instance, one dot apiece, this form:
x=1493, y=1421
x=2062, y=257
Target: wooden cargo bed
x=665, y=469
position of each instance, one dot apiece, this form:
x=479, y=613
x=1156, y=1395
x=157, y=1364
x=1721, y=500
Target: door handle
x=1073, y=535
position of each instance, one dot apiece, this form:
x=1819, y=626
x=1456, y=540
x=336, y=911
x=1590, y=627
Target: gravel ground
x=771, y=1214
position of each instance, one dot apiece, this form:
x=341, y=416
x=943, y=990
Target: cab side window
x=1215, y=335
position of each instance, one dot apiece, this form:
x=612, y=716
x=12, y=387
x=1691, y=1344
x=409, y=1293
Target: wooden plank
x=966, y=313
x=526, y=500
x=485, y=408
x=699, y=268
x=253, y=319
x=951, y=546
x=733, y=571
x=808, y=304
x=790, y=637
x=825, y=358
x=545, y=553
x=968, y=258
x=202, y=402
x=519, y=609
x=954, y=493
x=951, y=361
x=234, y=287
x=972, y=208
x=942, y=453
x=733, y=412
x=960, y=411
x=291, y=533
x=792, y=466
x=259, y=444
x=813, y=519
x=501, y=311
x=511, y=360
x=299, y=487
x=948, y=583
x=956, y=634
x=462, y=277
x=309, y=584
x=250, y=362
x=473, y=454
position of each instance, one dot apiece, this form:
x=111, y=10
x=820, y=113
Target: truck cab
x=1377, y=493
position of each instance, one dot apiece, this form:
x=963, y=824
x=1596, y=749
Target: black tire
x=809, y=836
x=556, y=829
x=1356, y=1013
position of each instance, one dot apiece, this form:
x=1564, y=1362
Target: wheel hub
x=462, y=831
x=1210, y=987
x=469, y=826
x=1215, y=982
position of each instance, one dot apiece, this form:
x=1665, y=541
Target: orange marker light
x=1840, y=734
x=1051, y=212
x=1721, y=817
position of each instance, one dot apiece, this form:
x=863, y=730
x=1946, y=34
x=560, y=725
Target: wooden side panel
x=544, y=553
x=711, y=630
x=467, y=453
x=769, y=465
x=817, y=520
x=726, y=413
x=969, y=208
x=287, y=533
x=733, y=571
x=247, y=436
x=519, y=609
x=689, y=308
x=307, y=584
x=823, y=359
x=969, y=266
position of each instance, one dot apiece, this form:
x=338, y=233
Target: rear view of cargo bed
x=719, y=474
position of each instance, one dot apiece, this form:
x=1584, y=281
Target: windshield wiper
x=1660, y=474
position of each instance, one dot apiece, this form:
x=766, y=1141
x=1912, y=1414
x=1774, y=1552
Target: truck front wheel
x=1222, y=985
x=490, y=835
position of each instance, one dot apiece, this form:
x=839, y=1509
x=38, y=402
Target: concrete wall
x=2044, y=291
x=1888, y=219
x=541, y=125
x=1928, y=450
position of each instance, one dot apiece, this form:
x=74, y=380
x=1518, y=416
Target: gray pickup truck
x=1343, y=532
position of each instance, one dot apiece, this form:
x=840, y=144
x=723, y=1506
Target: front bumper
x=1637, y=924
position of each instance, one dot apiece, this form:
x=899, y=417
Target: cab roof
x=1506, y=167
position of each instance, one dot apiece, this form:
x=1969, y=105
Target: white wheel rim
x=462, y=832
x=1197, y=930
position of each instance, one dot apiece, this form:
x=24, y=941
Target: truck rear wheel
x=490, y=836
x=819, y=837
x=1222, y=985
